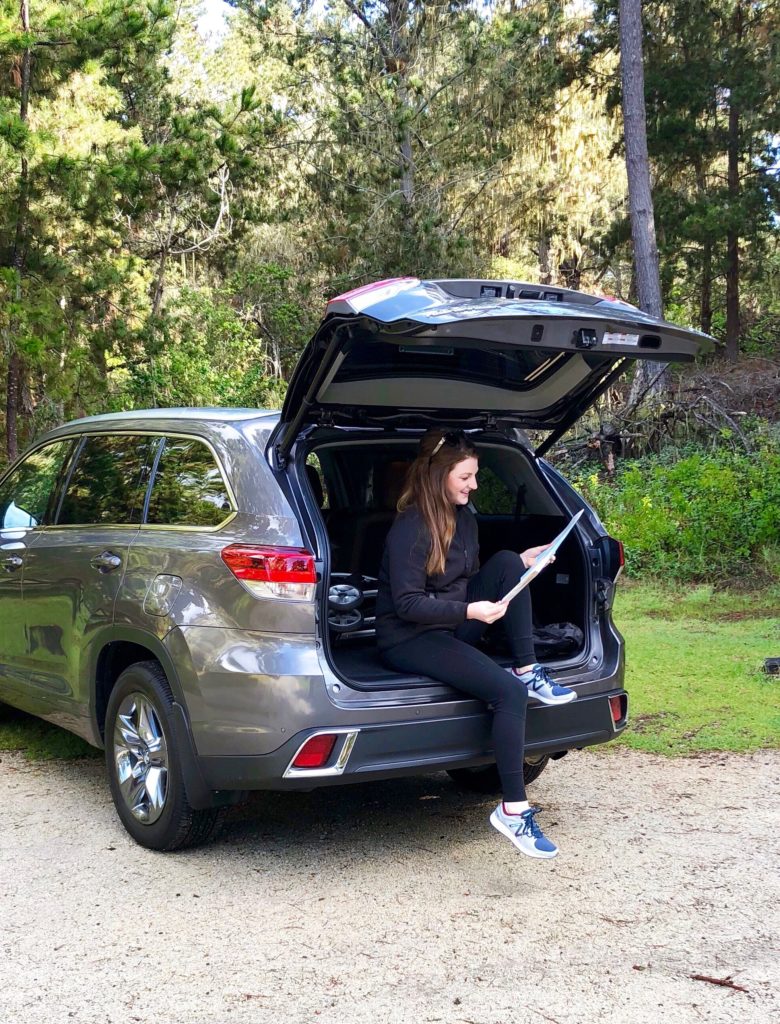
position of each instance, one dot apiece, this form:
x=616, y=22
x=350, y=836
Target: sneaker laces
x=539, y=677
x=529, y=826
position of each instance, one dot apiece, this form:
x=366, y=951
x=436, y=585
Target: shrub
x=708, y=515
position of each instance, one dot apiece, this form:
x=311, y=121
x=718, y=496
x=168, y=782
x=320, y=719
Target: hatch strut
x=578, y=409
x=287, y=439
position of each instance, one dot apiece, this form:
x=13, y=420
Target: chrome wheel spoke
x=156, y=785
x=127, y=730
x=146, y=722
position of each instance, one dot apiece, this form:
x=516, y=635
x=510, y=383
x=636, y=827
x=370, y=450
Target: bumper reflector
x=315, y=751
x=618, y=706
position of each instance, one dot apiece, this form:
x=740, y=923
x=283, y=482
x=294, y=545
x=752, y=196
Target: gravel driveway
x=397, y=902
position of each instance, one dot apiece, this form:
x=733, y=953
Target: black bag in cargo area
x=557, y=638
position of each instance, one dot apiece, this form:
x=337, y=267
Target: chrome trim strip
x=350, y=736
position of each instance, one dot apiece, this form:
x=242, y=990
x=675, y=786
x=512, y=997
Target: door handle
x=107, y=561
x=12, y=563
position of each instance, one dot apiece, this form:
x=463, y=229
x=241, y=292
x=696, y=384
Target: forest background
x=184, y=184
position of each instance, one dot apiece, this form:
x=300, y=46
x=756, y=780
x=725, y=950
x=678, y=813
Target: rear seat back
x=357, y=535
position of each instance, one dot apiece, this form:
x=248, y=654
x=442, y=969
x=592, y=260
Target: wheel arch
x=112, y=653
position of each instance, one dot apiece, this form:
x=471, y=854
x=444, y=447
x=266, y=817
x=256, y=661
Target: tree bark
x=705, y=281
x=18, y=255
x=545, y=273
x=640, y=198
x=397, y=13
x=732, y=239
x=705, y=289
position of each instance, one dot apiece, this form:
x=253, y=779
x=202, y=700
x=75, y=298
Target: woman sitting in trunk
x=434, y=603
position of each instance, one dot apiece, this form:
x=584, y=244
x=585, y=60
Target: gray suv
x=193, y=589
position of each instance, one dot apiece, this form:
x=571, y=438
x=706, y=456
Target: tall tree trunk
x=705, y=281
x=705, y=289
x=18, y=256
x=545, y=272
x=397, y=11
x=649, y=378
x=732, y=239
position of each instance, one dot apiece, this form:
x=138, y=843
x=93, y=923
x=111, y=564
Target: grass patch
x=693, y=668
x=39, y=740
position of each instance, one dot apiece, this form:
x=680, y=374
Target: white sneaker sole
x=552, y=701
x=497, y=823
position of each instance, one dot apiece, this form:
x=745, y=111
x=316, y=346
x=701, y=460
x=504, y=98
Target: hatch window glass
x=108, y=481
x=26, y=492
x=188, y=487
x=492, y=496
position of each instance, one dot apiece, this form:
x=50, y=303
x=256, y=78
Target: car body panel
x=64, y=599
x=14, y=547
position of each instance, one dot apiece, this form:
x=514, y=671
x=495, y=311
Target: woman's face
x=461, y=481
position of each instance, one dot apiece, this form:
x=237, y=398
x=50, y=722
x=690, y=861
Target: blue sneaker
x=524, y=832
x=542, y=687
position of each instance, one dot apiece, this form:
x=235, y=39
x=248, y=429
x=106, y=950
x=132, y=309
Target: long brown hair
x=425, y=487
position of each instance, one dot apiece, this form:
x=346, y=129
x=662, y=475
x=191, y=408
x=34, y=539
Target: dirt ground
x=397, y=902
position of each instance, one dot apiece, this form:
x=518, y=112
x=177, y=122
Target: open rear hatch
x=411, y=353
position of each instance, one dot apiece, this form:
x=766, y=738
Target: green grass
x=694, y=658
x=39, y=740
x=693, y=668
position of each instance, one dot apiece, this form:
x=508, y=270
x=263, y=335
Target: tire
x=144, y=764
x=485, y=779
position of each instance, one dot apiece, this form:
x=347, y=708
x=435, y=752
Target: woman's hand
x=486, y=611
x=530, y=555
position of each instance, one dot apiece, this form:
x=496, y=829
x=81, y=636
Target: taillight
x=615, y=557
x=287, y=573
x=315, y=751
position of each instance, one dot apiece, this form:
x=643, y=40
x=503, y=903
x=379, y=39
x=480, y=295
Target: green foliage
x=701, y=516
x=207, y=354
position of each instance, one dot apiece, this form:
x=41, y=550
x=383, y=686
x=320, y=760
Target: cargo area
x=355, y=484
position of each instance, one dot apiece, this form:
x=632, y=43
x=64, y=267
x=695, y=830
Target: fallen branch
x=723, y=982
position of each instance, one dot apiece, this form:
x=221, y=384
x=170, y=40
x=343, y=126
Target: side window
x=188, y=488
x=492, y=497
x=316, y=478
x=106, y=486
x=25, y=492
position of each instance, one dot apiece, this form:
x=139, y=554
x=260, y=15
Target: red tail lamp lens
x=617, y=705
x=269, y=564
x=622, y=554
x=315, y=751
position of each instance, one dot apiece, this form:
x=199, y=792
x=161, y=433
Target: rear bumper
x=381, y=751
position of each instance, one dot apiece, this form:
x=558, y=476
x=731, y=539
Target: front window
x=26, y=492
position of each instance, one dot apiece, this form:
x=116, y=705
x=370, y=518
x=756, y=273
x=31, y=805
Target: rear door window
x=107, y=484
x=26, y=492
x=188, y=487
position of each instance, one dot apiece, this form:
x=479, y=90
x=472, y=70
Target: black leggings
x=452, y=658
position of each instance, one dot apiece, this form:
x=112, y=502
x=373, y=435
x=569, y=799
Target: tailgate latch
x=585, y=337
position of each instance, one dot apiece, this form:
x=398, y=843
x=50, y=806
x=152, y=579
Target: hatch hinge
x=605, y=590
x=282, y=448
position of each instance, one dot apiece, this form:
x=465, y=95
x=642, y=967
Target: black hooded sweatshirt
x=409, y=602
